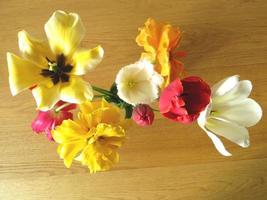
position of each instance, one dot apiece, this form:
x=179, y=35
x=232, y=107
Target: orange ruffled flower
x=160, y=41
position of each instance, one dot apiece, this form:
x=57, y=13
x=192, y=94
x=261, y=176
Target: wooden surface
x=162, y=162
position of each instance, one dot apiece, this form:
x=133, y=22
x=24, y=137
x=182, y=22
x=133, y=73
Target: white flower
x=230, y=112
x=138, y=83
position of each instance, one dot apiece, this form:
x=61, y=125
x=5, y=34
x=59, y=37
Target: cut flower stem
x=62, y=106
x=102, y=91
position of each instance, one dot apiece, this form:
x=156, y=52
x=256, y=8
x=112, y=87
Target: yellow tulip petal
x=86, y=60
x=170, y=37
x=163, y=59
x=46, y=96
x=33, y=49
x=72, y=139
x=160, y=41
x=64, y=32
x=69, y=130
x=22, y=73
x=149, y=36
x=106, y=130
x=89, y=107
x=90, y=157
x=69, y=150
x=76, y=90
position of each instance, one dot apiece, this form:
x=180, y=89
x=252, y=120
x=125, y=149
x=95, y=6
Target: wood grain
x=162, y=162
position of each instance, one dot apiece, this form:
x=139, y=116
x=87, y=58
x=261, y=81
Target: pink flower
x=183, y=100
x=48, y=120
x=143, y=115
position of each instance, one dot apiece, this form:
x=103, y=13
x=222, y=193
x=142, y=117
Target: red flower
x=143, y=115
x=183, y=100
x=48, y=120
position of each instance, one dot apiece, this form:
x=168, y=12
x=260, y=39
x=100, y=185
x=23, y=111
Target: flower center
x=131, y=84
x=57, y=70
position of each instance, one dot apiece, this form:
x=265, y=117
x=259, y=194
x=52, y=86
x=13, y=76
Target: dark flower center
x=57, y=70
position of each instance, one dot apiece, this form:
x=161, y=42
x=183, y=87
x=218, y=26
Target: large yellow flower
x=92, y=139
x=160, y=42
x=53, y=68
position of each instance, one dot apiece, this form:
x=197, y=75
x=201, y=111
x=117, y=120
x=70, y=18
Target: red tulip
x=143, y=115
x=183, y=100
x=46, y=121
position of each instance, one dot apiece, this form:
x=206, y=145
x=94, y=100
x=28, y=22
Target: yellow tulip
x=94, y=138
x=160, y=42
x=53, y=68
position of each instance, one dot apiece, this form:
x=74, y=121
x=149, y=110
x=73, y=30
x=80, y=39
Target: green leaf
x=113, y=89
x=128, y=111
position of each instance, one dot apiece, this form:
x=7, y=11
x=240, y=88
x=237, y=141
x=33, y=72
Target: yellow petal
x=163, y=59
x=64, y=32
x=86, y=60
x=170, y=37
x=69, y=130
x=33, y=49
x=102, y=112
x=107, y=130
x=22, y=73
x=68, y=151
x=149, y=36
x=76, y=90
x=46, y=95
x=72, y=139
x=90, y=157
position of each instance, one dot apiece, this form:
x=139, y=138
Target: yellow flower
x=53, y=68
x=160, y=42
x=94, y=138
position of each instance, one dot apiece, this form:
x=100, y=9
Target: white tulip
x=230, y=112
x=138, y=83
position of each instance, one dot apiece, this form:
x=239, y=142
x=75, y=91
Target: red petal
x=175, y=88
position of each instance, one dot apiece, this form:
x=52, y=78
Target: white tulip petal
x=247, y=113
x=229, y=112
x=218, y=144
x=238, y=93
x=224, y=85
x=201, y=120
x=216, y=141
x=231, y=131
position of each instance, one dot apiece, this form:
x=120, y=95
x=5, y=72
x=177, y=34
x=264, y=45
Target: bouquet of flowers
x=53, y=70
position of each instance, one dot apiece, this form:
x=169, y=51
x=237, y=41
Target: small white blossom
x=138, y=83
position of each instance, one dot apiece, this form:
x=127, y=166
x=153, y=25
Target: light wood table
x=166, y=160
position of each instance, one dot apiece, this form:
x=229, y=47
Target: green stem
x=155, y=110
x=98, y=96
x=102, y=91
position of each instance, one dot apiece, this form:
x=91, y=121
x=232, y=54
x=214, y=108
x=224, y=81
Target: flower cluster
x=53, y=70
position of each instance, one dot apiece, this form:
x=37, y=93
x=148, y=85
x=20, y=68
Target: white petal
x=238, y=93
x=127, y=73
x=201, y=120
x=231, y=131
x=157, y=79
x=136, y=83
x=224, y=85
x=216, y=141
x=247, y=113
x=218, y=144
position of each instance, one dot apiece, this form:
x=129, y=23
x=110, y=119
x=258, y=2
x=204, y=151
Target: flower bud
x=143, y=115
x=46, y=121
